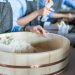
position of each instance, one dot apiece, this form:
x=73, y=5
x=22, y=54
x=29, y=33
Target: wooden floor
x=70, y=70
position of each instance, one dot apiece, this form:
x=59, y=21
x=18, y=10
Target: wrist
x=39, y=12
x=27, y=28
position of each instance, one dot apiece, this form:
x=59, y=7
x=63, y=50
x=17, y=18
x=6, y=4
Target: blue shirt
x=19, y=9
x=70, y=3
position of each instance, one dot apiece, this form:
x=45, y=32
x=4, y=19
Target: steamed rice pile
x=9, y=44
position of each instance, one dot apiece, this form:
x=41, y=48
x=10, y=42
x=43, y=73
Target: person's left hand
x=70, y=16
x=38, y=29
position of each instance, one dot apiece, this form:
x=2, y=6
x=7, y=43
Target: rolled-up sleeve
x=70, y=3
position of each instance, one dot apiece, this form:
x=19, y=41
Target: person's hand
x=37, y=29
x=69, y=16
x=47, y=9
x=49, y=1
x=44, y=11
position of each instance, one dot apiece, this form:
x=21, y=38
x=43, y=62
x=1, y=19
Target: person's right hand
x=47, y=9
x=37, y=29
x=44, y=11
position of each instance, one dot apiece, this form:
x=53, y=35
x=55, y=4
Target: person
x=57, y=7
x=19, y=8
x=23, y=21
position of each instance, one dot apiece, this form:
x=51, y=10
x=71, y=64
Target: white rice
x=20, y=46
x=17, y=46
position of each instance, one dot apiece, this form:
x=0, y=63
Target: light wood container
x=51, y=60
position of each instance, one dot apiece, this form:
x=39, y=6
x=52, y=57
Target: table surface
x=71, y=68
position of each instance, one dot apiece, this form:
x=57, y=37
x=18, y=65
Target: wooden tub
x=52, y=59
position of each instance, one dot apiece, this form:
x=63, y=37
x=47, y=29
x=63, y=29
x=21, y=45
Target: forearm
x=59, y=15
x=23, y=21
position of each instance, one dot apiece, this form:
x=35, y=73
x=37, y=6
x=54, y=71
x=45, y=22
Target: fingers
x=46, y=31
x=49, y=3
x=46, y=11
x=35, y=29
x=42, y=31
x=70, y=16
x=39, y=30
x=51, y=9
